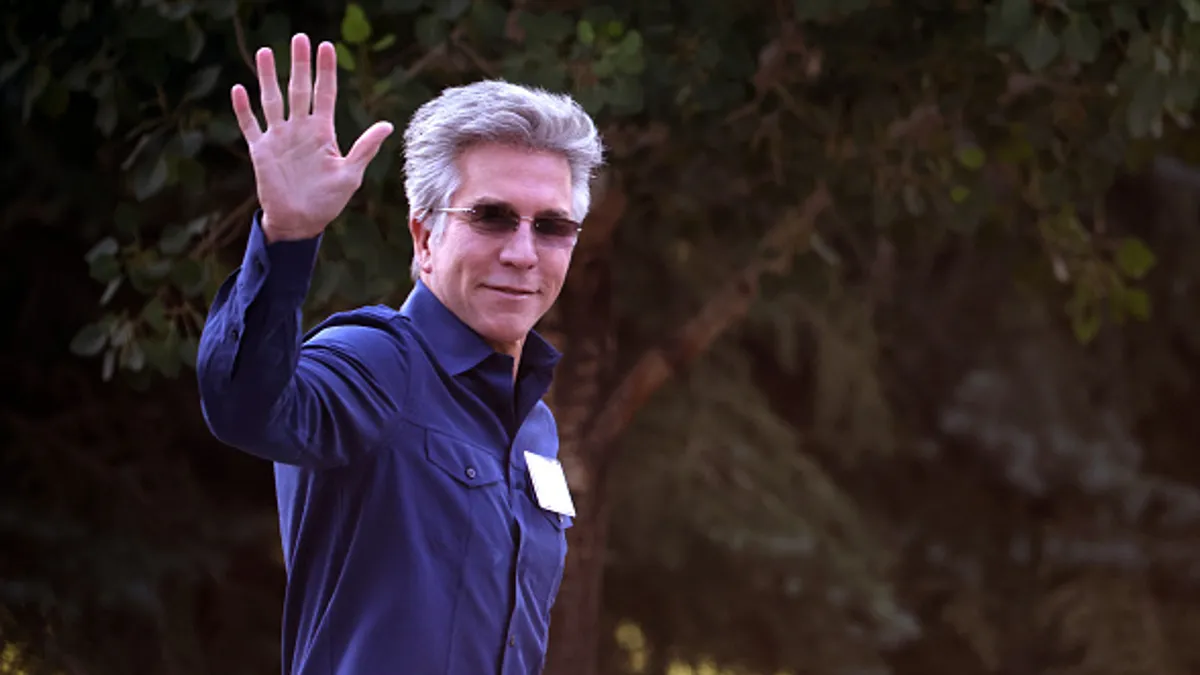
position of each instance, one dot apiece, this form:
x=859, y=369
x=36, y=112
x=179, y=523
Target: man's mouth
x=511, y=290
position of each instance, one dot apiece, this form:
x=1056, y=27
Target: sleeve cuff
x=281, y=267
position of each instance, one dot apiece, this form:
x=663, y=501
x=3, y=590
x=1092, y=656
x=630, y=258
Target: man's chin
x=507, y=334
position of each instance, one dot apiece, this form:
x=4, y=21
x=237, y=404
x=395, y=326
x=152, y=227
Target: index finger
x=325, y=91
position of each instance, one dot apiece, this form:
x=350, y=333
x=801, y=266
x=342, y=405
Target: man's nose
x=520, y=249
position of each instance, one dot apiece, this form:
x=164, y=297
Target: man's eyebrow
x=542, y=213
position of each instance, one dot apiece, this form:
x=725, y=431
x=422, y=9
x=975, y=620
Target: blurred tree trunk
x=582, y=326
x=593, y=409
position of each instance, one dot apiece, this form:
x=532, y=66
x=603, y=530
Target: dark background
x=924, y=274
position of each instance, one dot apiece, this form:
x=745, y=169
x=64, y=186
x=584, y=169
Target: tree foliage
x=910, y=430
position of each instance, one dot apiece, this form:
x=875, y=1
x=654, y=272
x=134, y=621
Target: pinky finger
x=246, y=120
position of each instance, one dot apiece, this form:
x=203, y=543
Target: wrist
x=276, y=230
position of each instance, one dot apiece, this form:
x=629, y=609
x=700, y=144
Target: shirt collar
x=455, y=345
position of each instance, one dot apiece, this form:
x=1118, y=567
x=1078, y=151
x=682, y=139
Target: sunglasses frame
x=573, y=238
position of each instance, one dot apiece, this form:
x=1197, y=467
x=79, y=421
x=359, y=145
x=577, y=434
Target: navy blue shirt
x=412, y=539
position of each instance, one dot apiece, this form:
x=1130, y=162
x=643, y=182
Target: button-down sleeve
x=267, y=391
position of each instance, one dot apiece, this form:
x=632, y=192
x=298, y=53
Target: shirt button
x=471, y=472
x=512, y=641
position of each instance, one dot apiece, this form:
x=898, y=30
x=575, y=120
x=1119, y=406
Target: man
x=422, y=511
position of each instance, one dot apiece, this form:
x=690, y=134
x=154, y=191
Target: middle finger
x=300, y=86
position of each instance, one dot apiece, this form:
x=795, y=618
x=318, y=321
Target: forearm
x=250, y=348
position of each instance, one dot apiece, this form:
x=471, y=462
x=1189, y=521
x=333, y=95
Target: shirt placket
x=511, y=663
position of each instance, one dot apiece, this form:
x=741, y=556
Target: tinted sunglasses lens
x=556, y=228
x=494, y=218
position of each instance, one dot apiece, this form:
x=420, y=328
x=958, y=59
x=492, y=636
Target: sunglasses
x=501, y=220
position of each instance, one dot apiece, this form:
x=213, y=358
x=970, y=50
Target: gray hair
x=499, y=112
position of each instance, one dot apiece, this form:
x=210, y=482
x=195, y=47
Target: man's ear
x=421, y=241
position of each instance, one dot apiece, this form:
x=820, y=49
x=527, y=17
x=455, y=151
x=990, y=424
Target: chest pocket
x=464, y=505
x=547, y=552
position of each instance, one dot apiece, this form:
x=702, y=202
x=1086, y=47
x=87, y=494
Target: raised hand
x=303, y=179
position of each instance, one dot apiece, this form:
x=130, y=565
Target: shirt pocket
x=464, y=496
x=553, y=540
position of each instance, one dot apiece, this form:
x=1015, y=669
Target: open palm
x=303, y=179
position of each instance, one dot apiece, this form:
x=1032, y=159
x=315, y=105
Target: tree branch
x=656, y=366
x=216, y=235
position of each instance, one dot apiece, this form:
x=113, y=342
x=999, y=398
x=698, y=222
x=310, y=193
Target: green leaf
x=345, y=57
x=151, y=178
x=401, y=6
x=451, y=9
x=1134, y=258
x=163, y=354
x=201, y=83
x=488, y=18
x=106, y=247
x=126, y=219
x=110, y=291
x=1145, y=106
x=327, y=277
x=1182, y=91
x=1136, y=302
x=106, y=115
x=189, y=276
x=223, y=129
x=276, y=29
x=195, y=40
x=808, y=10
x=133, y=358
x=586, y=34
x=189, y=142
x=1039, y=46
x=110, y=363
x=90, y=339
x=175, y=238
x=121, y=334
x=72, y=12
x=625, y=96
x=1086, y=324
x=174, y=11
x=384, y=42
x=154, y=314
x=190, y=174
x=549, y=28
x=430, y=30
x=1081, y=39
x=914, y=201
x=959, y=194
x=1125, y=17
x=971, y=156
x=1008, y=21
x=1191, y=8
x=54, y=100
x=188, y=347
x=34, y=88
x=152, y=267
x=356, y=29
x=222, y=9
x=10, y=68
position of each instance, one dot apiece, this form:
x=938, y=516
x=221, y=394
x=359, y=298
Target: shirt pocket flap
x=558, y=520
x=469, y=464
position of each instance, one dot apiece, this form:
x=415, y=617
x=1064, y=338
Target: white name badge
x=550, y=484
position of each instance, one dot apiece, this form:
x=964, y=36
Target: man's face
x=499, y=285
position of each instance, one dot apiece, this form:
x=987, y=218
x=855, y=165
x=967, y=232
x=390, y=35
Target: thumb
x=367, y=145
